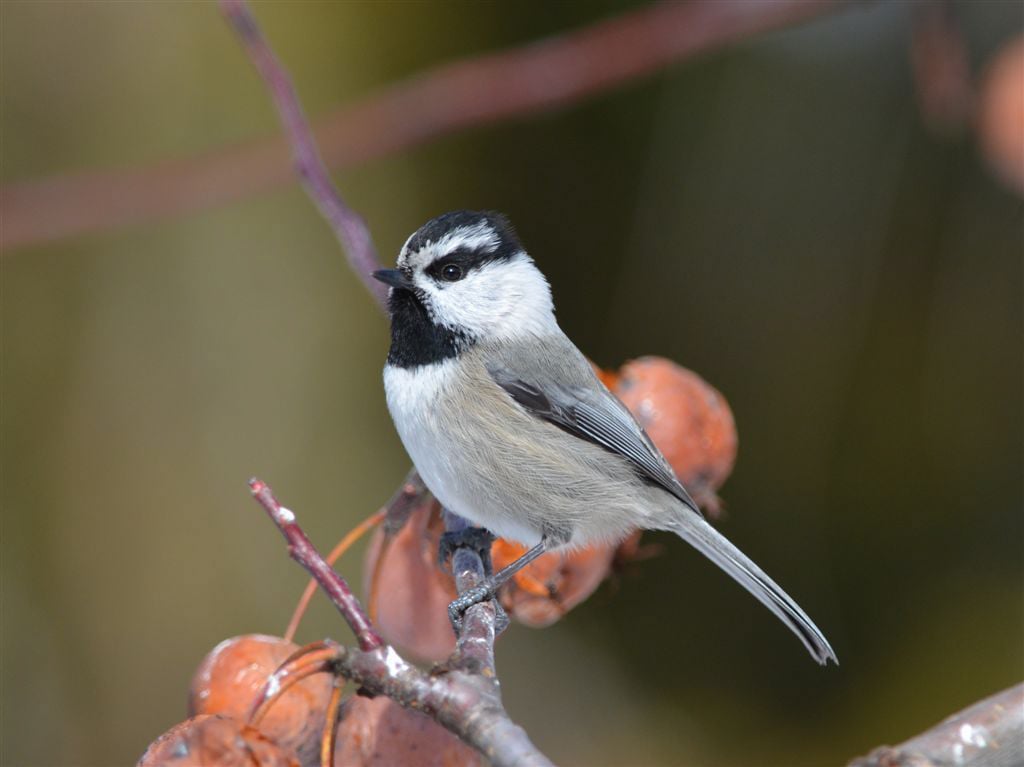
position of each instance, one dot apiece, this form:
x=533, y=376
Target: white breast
x=417, y=399
x=414, y=396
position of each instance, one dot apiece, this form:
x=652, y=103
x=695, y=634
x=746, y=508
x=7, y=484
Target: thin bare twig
x=343, y=545
x=410, y=494
x=348, y=226
x=303, y=552
x=533, y=78
x=989, y=733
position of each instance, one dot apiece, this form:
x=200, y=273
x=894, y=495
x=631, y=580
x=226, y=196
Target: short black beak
x=394, y=277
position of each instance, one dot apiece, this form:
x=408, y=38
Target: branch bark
x=989, y=733
x=474, y=646
x=531, y=79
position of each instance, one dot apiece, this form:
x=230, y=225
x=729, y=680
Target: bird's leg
x=488, y=588
x=476, y=538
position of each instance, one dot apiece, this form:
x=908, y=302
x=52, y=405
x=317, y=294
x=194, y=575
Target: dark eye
x=451, y=272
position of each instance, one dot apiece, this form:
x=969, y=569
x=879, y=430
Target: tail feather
x=716, y=547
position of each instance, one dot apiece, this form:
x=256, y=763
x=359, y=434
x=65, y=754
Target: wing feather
x=596, y=416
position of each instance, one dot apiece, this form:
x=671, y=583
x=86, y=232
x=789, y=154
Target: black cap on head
x=437, y=228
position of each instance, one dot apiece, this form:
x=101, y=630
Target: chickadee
x=507, y=423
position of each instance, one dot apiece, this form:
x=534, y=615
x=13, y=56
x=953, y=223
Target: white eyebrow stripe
x=479, y=236
x=404, y=252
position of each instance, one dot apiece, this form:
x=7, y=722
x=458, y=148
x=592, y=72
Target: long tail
x=698, y=533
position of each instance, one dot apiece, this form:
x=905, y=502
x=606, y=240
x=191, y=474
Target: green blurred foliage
x=775, y=217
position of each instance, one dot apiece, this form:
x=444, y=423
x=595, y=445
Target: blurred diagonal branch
x=989, y=733
x=537, y=77
x=348, y=226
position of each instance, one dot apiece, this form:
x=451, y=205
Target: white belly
x=415, y=398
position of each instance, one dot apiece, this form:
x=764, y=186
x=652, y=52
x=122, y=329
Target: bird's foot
x=486, y=591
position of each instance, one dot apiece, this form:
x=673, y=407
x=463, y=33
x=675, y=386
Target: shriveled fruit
x=231, y=677
x=413, y=592
x=687, y=418
x=1001, y=115
x=554, y=583
x=380, y=733
x=215, y=741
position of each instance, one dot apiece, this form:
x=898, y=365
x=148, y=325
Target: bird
x=510, y=428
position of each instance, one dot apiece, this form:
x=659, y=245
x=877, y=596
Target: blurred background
x=780, y=216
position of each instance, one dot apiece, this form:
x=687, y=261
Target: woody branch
x=989, y=733
x=465, y=698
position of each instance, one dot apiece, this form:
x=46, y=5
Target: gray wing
x=558, y=386
x=594, y=414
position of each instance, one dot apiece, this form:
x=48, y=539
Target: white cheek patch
x=500, y=300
